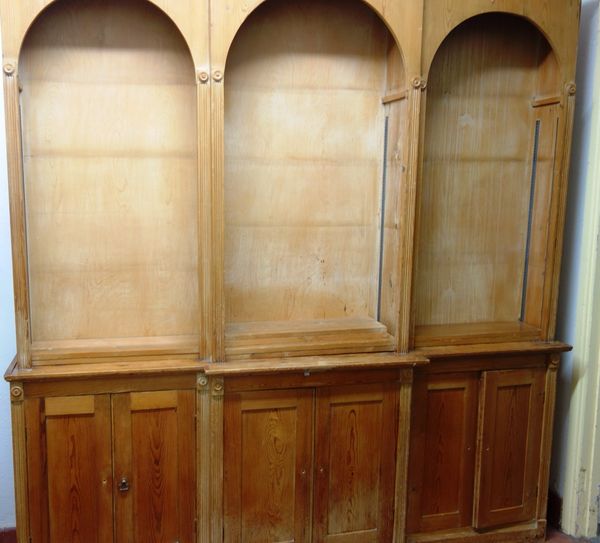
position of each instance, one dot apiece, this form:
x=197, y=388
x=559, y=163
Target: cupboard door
x=508, y=459
x=442, y=452
x=154, y=451
x=355, y=451
x=267, y=466
x=69, y=469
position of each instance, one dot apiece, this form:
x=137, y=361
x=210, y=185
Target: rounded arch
x=474, y=18
x=380, y=15
x=109, y=124
x=49, y=10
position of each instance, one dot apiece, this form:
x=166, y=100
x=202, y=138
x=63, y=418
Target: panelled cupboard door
x=508, y=459
x=355, y=451
x=267, y=466
x=69, y=469
x=442, y=451
x=154, y=466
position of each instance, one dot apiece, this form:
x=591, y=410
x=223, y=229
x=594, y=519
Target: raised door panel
x=154, y=440
x=442, y=452
x=268, y=466
x=356, y=428
x=69, y=468
x=508, y=459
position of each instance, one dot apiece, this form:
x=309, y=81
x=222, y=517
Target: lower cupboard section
x=455, y=451
x=479, y=453
x=112, y=467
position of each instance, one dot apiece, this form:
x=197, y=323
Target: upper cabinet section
x=315, y=152
x=230, y=179
x=489, y=187
x=110, y=165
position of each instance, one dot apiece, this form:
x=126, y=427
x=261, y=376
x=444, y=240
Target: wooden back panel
x=304, y=151
x=110, y=165
x=476, y=180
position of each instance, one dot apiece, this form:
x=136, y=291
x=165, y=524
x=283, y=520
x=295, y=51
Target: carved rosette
x=16, y=393
x=218, y=387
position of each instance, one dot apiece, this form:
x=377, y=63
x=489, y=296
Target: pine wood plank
x=315, y=364
x=64, y=350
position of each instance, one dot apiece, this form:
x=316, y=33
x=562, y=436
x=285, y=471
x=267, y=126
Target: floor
x=557, y=537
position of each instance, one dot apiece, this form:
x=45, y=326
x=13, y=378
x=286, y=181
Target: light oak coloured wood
x=112, y=201
x=482, y=236
x=16, y=189
x=190, y=16
x=304, y=213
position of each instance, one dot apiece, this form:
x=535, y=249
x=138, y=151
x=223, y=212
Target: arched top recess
x=402, y=20
x=487, y=23
x=556, y=26
x=184, y=17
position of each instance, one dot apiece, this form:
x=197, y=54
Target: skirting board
x=8, y=535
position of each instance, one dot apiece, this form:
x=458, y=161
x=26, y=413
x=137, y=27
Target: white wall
x=567, y=307
x=7, y=339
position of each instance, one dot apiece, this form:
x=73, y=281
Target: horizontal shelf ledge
x=395, y=97
x=104, y=369
x=480, y=332
x=269, y=338
x=315, y=364
x=541, y=101
x=44, y=351
x=494, y=349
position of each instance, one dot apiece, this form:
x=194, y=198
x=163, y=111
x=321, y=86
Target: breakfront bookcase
x=286, y=270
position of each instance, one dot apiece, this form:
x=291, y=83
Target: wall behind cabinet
x=8, y=346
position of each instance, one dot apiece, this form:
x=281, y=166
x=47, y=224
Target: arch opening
x=492, y=128
x=110, y=168
x=315, y=125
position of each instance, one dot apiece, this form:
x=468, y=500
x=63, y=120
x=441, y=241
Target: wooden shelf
x=103, y=369
x=474, y=333
x=494, y=349
x=332, y=336
x=44, y=352
x=316, y=364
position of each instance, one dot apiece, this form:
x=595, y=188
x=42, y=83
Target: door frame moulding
x=580, y=515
